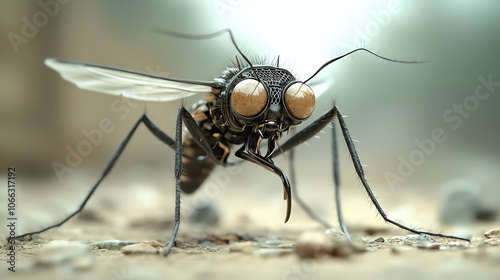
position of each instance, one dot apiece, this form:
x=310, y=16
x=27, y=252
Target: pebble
x=313, y=245
x=244, y=247
x=410, y=239
x=222, y=239
x=492, y=242
x=157, y=244
x=492, y=233
x=335, y=234
x=208, y=243
x=272, y=252
x=139, y=248
x=344, y=249
x=72, y=255
x=413, y=239
x=456, y=244
x=111, y=244
x=273, y=241
x=428, y=246
x=380, y=239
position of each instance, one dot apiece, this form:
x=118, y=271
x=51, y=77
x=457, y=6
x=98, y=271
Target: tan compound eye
x=249, y=98
x=299, y=100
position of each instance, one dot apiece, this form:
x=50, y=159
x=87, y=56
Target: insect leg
x=178, y=171
x=196, y=133
x=359, y=170
x=303, y=136
x=336, y=183
x=144, y=119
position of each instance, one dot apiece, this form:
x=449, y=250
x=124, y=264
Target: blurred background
x=389, y=107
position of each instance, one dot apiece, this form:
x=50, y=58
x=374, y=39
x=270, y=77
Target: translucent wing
x=128, y=83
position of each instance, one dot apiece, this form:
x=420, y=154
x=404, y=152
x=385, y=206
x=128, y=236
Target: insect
x=249, y=105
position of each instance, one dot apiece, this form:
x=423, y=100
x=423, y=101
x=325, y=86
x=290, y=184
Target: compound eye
x=299, y=100
x=249, y=98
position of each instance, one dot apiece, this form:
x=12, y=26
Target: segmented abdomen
x=196, y=164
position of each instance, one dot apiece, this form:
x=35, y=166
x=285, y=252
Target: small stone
x=139, y=248
x=220, y=239
x=244, y=247
x=380, y=239
x=272, y=252
x=345, y=249
x=208, y=243
x=313, y=245
x=396, y=239
x=414, y=239
x=492, y=233
x=492, y=242
x=428, y=246
x=229, y=237
x=159, y=245
x=335, y=234
x=456, y=244
x=177, y=244
x=73, y=255
x=273, y=241
x=111, y=244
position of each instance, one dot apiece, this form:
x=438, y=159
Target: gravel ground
x=247, y=243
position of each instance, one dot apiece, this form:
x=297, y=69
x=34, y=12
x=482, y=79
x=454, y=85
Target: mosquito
x=251, y=105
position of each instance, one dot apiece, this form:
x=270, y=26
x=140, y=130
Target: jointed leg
x=336, y=179
x=359, y=170
x=336, y=183
x=314, y=128
x=161, y=136
x=104, y=174
x=178, y=170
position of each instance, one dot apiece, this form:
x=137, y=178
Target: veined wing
x=128, y=83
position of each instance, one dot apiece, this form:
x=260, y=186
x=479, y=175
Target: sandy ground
x=250, y=218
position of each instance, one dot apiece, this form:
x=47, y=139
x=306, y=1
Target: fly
x=247, y=105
